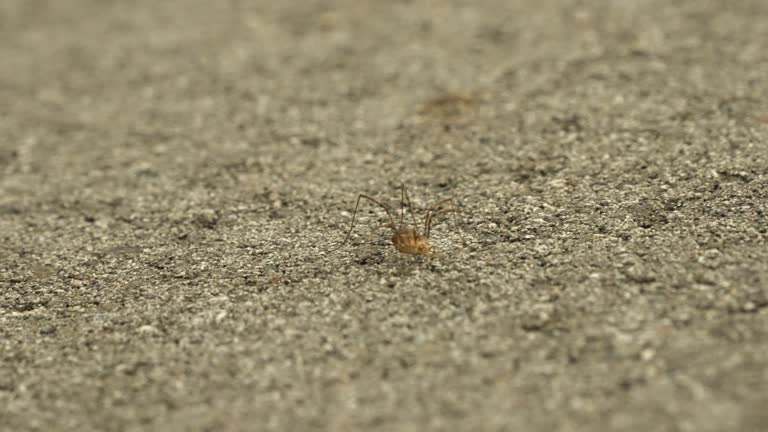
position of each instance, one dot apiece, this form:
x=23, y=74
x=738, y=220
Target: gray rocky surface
x=175, y=175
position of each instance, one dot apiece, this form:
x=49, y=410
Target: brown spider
x=406, y=239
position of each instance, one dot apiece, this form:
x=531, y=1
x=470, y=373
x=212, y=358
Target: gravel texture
x=175, y=177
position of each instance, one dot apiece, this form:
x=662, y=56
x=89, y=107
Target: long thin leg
x=432, y=211
x=402, y=204
x=437, y=212
x=354, y=215
x=410, y=207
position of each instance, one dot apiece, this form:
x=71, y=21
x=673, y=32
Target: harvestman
x=407, y=240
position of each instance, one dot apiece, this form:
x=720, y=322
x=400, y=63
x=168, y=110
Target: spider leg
x=433, y=214
x=413, y=216
x=452, y=209
x=354, y=215
x=402, y=204
x=436, y=209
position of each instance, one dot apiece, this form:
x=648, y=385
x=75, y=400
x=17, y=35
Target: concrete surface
x=176, y=174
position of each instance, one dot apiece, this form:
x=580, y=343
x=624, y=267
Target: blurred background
x=174, y=175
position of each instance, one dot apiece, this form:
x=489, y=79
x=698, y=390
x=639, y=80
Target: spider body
x=409, y=241
x=405, y=239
